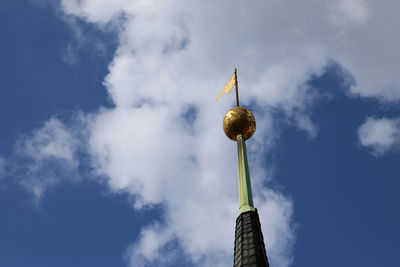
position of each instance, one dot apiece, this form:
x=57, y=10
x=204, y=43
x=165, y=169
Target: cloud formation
x=46, y=156
x=380, y=134
x=163, y=142
x=355, y=33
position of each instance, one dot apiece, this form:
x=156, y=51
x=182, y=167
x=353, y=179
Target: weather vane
x=239, y=125
x=228, y=87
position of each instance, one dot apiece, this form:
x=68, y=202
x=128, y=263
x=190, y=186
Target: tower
x=239, y=125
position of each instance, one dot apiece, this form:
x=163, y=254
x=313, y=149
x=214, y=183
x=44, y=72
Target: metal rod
x=237, y=90
x=245, y=193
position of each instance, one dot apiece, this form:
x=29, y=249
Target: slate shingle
x=249, y=242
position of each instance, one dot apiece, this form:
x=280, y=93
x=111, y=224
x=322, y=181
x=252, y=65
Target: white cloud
x=358, y=34
x=149, y=248
x=144, y=147
x=51, y=141
x=149, y=153
x=45, y=157
x=380, y=135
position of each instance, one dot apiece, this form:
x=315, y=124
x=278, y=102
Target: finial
x=239, y=121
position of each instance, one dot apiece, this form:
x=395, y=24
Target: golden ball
x=239, y=121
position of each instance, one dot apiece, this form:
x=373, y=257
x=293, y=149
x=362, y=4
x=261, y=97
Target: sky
x=112, y=151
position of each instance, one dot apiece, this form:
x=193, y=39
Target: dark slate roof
x=249, y=242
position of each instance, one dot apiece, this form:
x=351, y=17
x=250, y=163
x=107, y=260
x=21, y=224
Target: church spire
x=239, y=125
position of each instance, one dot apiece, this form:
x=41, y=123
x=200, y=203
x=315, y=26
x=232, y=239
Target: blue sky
x=112, y=151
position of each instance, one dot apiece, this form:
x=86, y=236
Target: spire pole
x=245, y=194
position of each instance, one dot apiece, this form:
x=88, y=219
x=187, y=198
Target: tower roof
x=249, y=241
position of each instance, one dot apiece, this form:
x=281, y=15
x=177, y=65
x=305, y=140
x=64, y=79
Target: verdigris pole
x=245, y=194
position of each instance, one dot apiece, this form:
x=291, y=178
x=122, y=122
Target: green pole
x=245, y=194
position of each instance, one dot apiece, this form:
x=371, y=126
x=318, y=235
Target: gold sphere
x=239, y=121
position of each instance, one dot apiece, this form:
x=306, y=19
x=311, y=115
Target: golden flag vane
x=228, y=87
